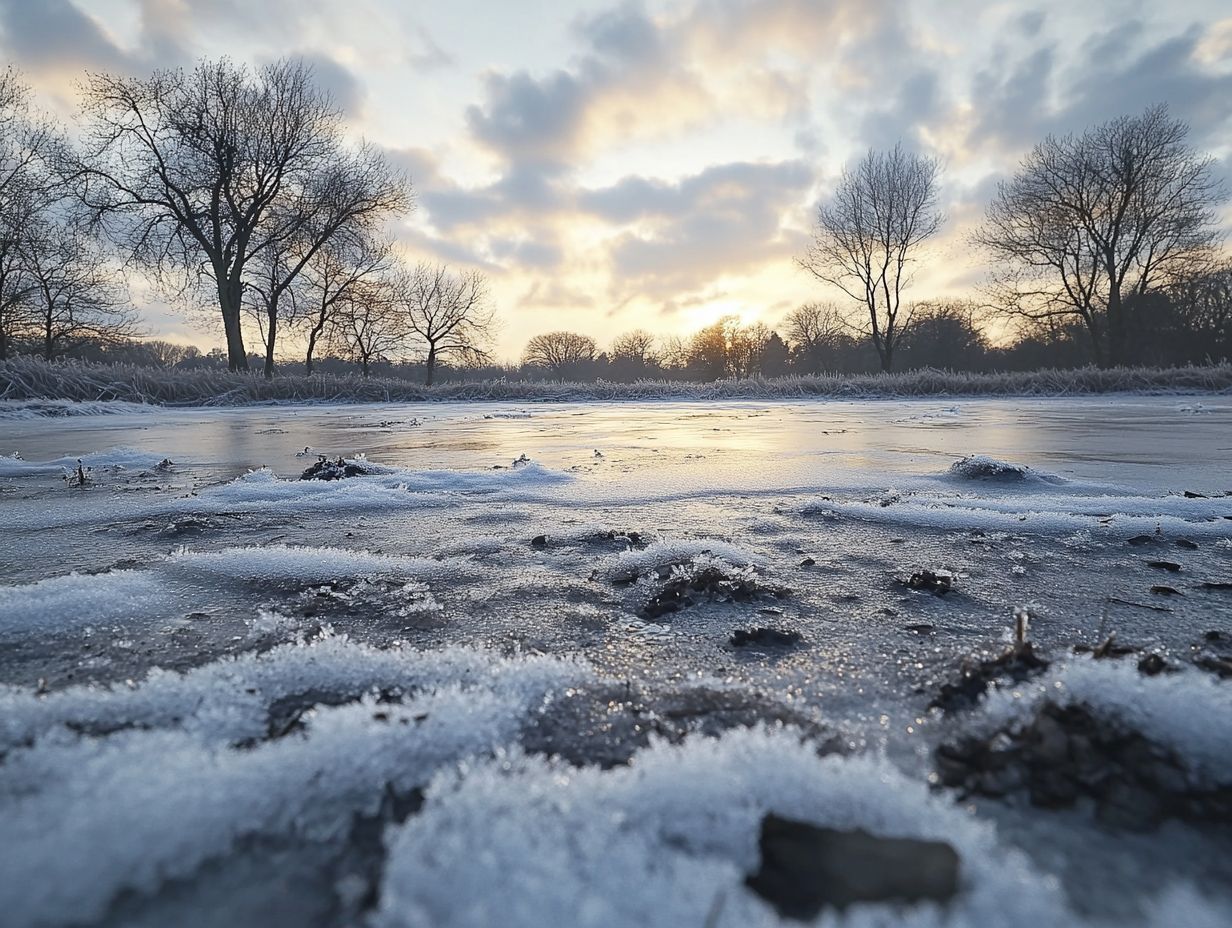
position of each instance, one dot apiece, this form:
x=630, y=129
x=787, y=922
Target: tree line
x=226, y=187
x=238, y=190
x=1113, y=231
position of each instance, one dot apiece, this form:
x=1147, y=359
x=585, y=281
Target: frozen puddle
x=569, y=664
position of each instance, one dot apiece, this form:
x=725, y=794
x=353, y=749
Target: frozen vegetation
x=587, y=664
x=33, y=380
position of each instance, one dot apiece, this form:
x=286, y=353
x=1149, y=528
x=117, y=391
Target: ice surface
x=631, y=564
x=204, y=669
x=114, y=458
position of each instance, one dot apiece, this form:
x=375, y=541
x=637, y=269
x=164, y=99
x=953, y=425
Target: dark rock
x=539, y=541
x=808, y=562
x=1139, y=540
x=1190, y=494
x=1152, y=665
x=921, y=628
x=1217, y=664
x=937, y=584
x=805, y=868
x=1187, y=544
x=1164, y=565
x=632, y=539
x=325, y=469
x=1166, y=591
x=764, y=637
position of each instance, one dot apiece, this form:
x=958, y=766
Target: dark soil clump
x=1067, y=753
x=325, y=469
x=685, y=588
x=930, y=581
x=1015, y=665
x=608, y=723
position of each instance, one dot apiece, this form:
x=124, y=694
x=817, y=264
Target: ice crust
x=114, y=458
x=93, y=816
x=627, y=565
x=121, y=596
x=503, y=837
x=127, y=787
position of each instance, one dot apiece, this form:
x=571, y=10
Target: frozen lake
x=506, y=585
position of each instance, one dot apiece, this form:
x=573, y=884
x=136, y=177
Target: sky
x=616, y=165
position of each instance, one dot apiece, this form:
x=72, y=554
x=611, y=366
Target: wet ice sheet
x=548, y=530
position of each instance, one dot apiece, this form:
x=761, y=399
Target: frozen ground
x=450, y=691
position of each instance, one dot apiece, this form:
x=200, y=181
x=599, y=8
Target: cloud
x=346, y=89
x=429, y=56
x=722, y=221
x=52, y=34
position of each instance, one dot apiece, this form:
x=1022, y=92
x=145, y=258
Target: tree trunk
x=271, y=336
x=229, y=297
x=1097, y=341
x=1115, y=327
x=431, y=365
x=4, y=344
x=364, y=364
x=49, y=340
x=313, y=335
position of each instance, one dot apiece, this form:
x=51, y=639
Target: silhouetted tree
x=707, y=352
x=196, y=172
x=368, y=324
x=1090, y=220
x=632, y=356
x=561, y=354
x=447, y=314
x=30, y=146
x=821, y=339
x=945, y=335
x=869, y=233
x=76, y=295
x=746, y=348
x=331, y=278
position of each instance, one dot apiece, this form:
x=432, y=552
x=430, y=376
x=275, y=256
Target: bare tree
x=30, y=145
x=869, y=233
x=448, y=314
x=335, y=275
x=635, y=347
x=815, y=325
x=76, y=294
x=746, y=348
x=632, y=356
x=350, y=196
x=368, y=324
x=193, y=173
x=560, y=353
x=1092, y=220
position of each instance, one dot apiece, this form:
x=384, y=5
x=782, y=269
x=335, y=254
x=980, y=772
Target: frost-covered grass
x=28, y=379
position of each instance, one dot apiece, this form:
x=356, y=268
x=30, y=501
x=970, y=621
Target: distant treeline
x=1189, y=325
x=239, y=192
